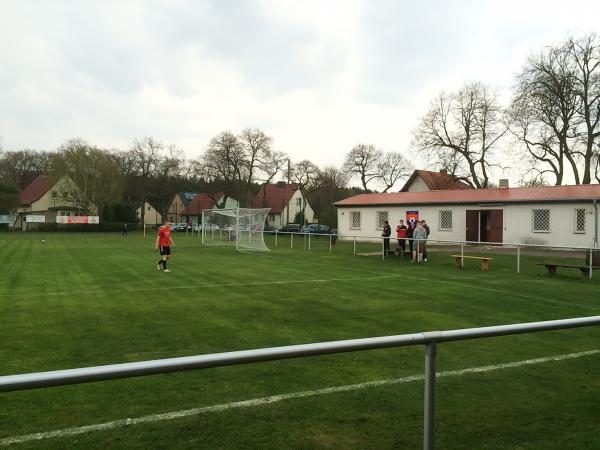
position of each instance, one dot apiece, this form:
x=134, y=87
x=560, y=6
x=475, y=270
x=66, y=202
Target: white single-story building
x=554, y=216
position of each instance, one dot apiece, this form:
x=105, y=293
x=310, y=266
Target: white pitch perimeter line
x=196, y=286
x=277, y=398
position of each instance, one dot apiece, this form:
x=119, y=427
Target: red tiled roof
x=35, y=190
x=498, y=195
x=201, y=202
x=278, y=196
x=436, y=181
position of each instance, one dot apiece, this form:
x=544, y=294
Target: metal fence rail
x=430, y=339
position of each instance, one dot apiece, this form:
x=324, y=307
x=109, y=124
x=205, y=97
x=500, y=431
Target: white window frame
x=533, y=212
x=451, y=220
x=351, y=216
x=575, y=230
x=377, y=225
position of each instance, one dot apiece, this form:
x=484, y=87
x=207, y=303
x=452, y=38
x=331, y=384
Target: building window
x=540, y=220
x=355, y=220
x=445, y=220
x=299, y=203
x=54, y=194
x=149, y=208
x=382, y=216
x=579, y=220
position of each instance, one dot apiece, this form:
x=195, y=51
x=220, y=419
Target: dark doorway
x=484, y=225
x=472, y=225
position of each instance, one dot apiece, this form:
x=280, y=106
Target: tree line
x=550, y=128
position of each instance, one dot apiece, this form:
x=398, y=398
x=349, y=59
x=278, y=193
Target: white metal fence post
x=331, y=242
x=590, y=270
x=382, y=248
x=462, y=254
x=518, y=258
x=429, y=400
x=354, y=251
x=309, y=242
x=291, y=240
x=275, y=238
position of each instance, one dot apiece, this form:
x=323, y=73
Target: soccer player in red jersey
x=163, y=243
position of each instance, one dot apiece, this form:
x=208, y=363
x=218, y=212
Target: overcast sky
x=318, y=76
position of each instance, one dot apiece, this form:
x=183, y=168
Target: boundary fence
x=592, y=253
x=429, y=339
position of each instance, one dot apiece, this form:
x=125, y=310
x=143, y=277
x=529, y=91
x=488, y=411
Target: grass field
x=90, y=299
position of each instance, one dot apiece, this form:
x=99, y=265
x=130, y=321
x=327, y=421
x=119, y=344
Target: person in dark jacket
x=387, y=231
x=409, y=234
x=427, y=230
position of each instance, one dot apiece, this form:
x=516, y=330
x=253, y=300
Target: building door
x=472, y=225
x=496, y=225
x=485, y=225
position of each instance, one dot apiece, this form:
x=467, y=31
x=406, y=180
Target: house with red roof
x=203, y=201
x=286, y=203
x=425, y=180
x=550, y=215
x=43, y=200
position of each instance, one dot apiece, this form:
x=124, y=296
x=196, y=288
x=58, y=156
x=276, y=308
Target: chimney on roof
x=503, y=183
x=443, y=171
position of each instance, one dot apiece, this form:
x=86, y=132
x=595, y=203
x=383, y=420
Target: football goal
x=241, y=227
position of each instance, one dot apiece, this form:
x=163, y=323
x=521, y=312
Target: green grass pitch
x=90, y=299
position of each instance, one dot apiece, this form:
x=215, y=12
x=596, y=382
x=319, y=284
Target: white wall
x=294, y=209
x=517, y=222
x=418, y=185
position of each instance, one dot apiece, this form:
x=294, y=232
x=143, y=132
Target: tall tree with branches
x=461, y=132
x=362, y=161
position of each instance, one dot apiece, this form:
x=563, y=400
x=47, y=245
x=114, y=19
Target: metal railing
x=333, y=238
x=430, y=339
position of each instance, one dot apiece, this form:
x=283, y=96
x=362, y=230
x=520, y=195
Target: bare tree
x=305, y=174
x=362, y=161
x=146, y=157
x=542, y=114
x=258, y=149
x=391, y=168
x=584, y=58
x=463, y=129
x=94, y=177
x=224, y=163
x=23, y=166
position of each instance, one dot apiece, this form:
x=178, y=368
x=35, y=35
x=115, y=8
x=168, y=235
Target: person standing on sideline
x=387, y=231
x=427, y=230
x=409, y=234
x=401, y=235
x=163, y=244
x=124, y=231
x=420, y=236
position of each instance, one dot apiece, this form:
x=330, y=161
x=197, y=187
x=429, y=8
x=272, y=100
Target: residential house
x=152, y=215
x=180, y=201
x=425, y=180
x=203, y=201
x=285, y=201
x=44, y=199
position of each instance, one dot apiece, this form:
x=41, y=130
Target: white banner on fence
x=6, y=218
x=90, y=220
x=35, y=218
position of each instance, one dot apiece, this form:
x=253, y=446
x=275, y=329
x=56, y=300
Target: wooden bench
x=585, y=270
x=485, y=265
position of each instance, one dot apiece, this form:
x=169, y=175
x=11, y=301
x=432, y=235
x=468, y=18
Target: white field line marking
x=206, y=285
x=277, y=398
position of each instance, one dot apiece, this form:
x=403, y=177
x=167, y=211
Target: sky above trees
x=317, y=76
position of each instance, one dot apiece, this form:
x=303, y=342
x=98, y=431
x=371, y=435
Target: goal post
x=240, y=227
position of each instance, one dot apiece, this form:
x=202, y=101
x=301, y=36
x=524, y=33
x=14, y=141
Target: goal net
x=240, y=227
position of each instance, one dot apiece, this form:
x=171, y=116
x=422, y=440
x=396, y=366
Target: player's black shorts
x=164, y=250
